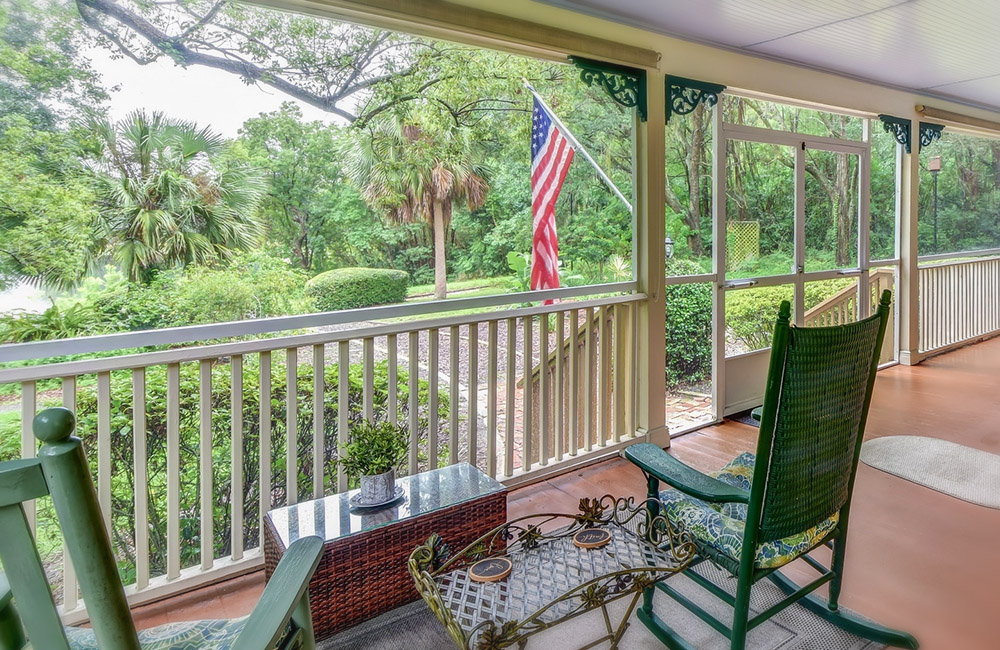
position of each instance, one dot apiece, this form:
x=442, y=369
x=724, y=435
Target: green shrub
x=353, y=288
x=54, y=323
x=688, y=326
x=252, y=285
x=750, y=313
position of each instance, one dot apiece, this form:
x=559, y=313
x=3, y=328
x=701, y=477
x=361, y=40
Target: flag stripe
x=551, y=155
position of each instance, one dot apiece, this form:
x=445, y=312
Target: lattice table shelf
x=552, y=580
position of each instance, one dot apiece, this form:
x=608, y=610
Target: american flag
x=551, y=154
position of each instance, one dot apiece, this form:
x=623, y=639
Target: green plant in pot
x=371, y=457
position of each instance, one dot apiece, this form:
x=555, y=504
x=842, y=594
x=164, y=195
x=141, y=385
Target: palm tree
x=168, y=196
x=415, y=174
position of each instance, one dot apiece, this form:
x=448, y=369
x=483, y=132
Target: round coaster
x=491, y=569
x=592, y=537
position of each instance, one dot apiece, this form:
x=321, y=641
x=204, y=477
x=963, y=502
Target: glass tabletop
x=333, y=517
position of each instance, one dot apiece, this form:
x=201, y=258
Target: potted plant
x=371, y=457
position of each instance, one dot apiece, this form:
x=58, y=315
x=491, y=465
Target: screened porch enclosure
x=738, y=199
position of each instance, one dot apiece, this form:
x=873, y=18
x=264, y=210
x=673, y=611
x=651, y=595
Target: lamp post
x=934, y=165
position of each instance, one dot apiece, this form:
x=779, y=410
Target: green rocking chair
x=280, y=620
x=751, y=517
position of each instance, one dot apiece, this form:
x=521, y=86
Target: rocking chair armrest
x=284, y=591
x=659, y=464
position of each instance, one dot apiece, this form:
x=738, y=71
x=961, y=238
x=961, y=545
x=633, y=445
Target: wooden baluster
x=393, y=375
x=173, y=467
x=205, y=445
x=265, y=440
x=543, y=390
x=453, y=406
x=491, y=399
x=291, y=426
x=558, y=403
x=319, y=416
x=509, y=405
x=473, y=393
x=526, y=460
x=140, y=495
x=433, y=368
x=236, y=457
x=343, y=406
x=414, y=370
x=574, y=382
x=69, y=587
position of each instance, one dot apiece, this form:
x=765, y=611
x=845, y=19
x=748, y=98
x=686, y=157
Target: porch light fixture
x=668, y=248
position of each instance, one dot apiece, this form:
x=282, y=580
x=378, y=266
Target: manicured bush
x=688, y=326
x=353, y=288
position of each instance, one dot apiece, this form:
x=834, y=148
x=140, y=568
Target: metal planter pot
x=378, y=489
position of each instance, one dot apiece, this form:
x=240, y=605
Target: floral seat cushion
x=188, y=635
x=719, y=526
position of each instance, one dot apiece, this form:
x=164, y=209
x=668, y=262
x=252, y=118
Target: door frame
x=738, y=381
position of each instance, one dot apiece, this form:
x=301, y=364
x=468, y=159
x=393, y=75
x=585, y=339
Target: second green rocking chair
x=764, y=510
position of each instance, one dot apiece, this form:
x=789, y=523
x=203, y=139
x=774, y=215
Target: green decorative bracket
x=899, y=128
x=929, y=132
x=625, y=85
x=683, y=95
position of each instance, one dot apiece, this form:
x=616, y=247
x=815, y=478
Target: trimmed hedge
x=688, y=327
x=353, y=288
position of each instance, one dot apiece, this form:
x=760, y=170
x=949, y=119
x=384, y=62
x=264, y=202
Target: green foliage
x=251, y=285
x=53, y=323
x=353, y=288
x=319, y=220
x=374, y=448
x=170, y=195
x=688, y=327
x=47, y=206
x=750, y=313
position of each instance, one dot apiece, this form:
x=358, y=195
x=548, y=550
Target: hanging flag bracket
x=578, y=147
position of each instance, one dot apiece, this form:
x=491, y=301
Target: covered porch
x=917, y=558
x=544, y=397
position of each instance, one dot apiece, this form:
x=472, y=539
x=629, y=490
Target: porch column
x=649, y=233
x=907, y=296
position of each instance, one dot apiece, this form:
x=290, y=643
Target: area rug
x=413, y=627
x=965, y=473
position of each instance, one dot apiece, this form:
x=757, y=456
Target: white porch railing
x=958, y=302
x=191, y=446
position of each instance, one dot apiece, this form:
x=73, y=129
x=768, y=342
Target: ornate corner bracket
x=929, y=132
x=625, y=85
x=683, y=95
x=899, y=127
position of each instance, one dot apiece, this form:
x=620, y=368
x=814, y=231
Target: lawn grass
x=460, y=285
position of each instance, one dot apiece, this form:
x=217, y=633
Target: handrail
x=191, y=333
x=975, y=260
x=142, y=360
x=985, y=252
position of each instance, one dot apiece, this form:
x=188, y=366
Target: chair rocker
x=751, y=517
x=28, y=615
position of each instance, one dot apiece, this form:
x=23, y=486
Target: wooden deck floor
x=917, y=559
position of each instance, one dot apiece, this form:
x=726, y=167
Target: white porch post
x=649, y=234
x=908, y=166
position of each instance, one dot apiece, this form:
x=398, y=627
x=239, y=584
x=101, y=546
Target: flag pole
x=579, y=147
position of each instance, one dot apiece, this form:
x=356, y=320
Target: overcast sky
x=203, y=95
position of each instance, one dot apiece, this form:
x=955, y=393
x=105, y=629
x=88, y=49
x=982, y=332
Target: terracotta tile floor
x=917, y=559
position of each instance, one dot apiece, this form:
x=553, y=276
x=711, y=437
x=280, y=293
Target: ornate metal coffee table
x=552, y=580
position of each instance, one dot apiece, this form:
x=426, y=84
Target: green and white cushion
x=188, y=635
x=719, y=527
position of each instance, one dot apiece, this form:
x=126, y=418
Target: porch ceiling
x=946, y=49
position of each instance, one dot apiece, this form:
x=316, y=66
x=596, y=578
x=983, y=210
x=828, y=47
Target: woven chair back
x=825, y=387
